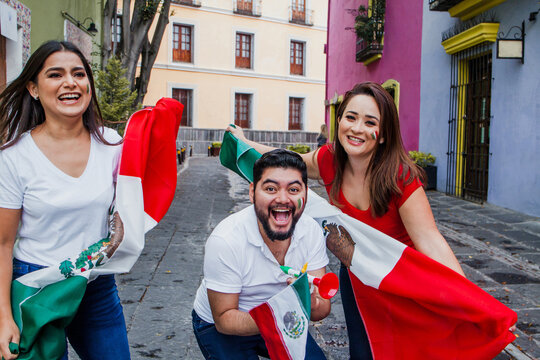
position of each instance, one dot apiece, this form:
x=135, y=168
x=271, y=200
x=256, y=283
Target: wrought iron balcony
x=194, y=3
x=300, y=15
x=442, y=5
x=367, y=50
x=249, y=8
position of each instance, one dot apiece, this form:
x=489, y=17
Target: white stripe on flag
x=375, y=253
x=130, y=205
x=291, y=321
x=149, y=223
x=43, y=277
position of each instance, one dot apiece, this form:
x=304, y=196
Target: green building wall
x=47, y=21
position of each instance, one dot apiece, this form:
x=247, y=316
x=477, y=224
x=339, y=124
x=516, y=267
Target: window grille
x=469, y=123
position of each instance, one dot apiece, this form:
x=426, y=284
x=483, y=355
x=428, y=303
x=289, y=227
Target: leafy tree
x=135, y=43
x=116, y=100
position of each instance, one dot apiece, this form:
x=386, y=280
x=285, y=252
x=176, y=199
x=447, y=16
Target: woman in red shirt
x=369, y=176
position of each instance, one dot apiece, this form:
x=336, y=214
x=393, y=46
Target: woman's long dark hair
x=19, y=112
x=383, y=168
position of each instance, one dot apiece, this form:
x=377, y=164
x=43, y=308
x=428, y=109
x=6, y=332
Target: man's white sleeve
x=222, y=269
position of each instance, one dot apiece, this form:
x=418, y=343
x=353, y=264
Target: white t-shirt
x=237, y=261
x=61, y=215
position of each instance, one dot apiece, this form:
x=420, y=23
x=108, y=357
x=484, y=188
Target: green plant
x=369, y=22
x=299, y=148
x=115, y=98
x=422, y=159
x=216, y=144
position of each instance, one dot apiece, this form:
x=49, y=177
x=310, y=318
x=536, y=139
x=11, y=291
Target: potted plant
x=369, y=29
x=427, y=162
x=369, y=23
x=215, y=148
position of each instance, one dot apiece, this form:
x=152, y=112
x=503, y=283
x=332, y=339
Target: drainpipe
x=326, y=116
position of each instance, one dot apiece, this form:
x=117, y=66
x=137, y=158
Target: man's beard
x=276, y=235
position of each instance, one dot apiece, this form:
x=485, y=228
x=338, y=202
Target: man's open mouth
x=281, y=215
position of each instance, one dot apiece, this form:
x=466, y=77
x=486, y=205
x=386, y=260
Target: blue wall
x=514, y=167
x=435, y=90
x=514, y=172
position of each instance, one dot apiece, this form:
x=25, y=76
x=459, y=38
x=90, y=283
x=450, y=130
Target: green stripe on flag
x=301, y=287
x=42, y=314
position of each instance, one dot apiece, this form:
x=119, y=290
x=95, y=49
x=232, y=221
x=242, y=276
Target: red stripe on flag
x=424, y=310
x=150, y=141
x=265, y=319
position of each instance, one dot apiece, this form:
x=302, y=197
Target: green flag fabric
x=238, y=156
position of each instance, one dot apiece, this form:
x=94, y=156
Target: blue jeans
x=359, y=348
x=215, y=345
x=98, y=330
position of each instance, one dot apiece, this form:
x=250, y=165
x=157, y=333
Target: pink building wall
x=400, y=60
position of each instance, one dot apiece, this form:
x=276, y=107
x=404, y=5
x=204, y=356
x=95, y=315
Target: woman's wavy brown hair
x=19, y=112
x=383, y=168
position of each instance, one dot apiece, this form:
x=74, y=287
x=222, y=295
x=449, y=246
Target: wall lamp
x=91, y=30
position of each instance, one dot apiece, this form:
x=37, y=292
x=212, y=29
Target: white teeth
x=355, y=139
x=69, y=96
x=281, y=210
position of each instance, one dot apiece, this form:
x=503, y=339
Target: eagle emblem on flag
x=295, y=324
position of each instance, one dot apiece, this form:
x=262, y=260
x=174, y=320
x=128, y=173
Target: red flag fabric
x=423, y=310
x=145, y=140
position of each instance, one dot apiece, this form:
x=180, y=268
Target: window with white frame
x=243, y=50
x=296, y=109
x=297, y=57
x=185, y=97
x=242, y=110
x=182, y=43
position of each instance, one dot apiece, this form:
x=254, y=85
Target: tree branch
x=126, y=31
x=151, y=50
x=108, y=11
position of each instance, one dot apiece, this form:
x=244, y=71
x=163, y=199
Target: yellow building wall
x=214, y=79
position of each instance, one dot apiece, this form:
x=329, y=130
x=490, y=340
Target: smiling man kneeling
x=243, y=255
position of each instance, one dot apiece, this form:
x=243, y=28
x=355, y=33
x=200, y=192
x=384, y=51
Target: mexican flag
x=45, y=301
x=413, y=307
x=283, y=320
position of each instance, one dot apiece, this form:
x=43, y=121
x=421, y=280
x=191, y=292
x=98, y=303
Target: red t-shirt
x=390, y=223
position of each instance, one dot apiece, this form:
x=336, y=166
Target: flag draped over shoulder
x=413, y=307
x=283, y=321
x=45, y=301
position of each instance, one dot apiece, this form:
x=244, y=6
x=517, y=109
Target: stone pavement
x=498, y=249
